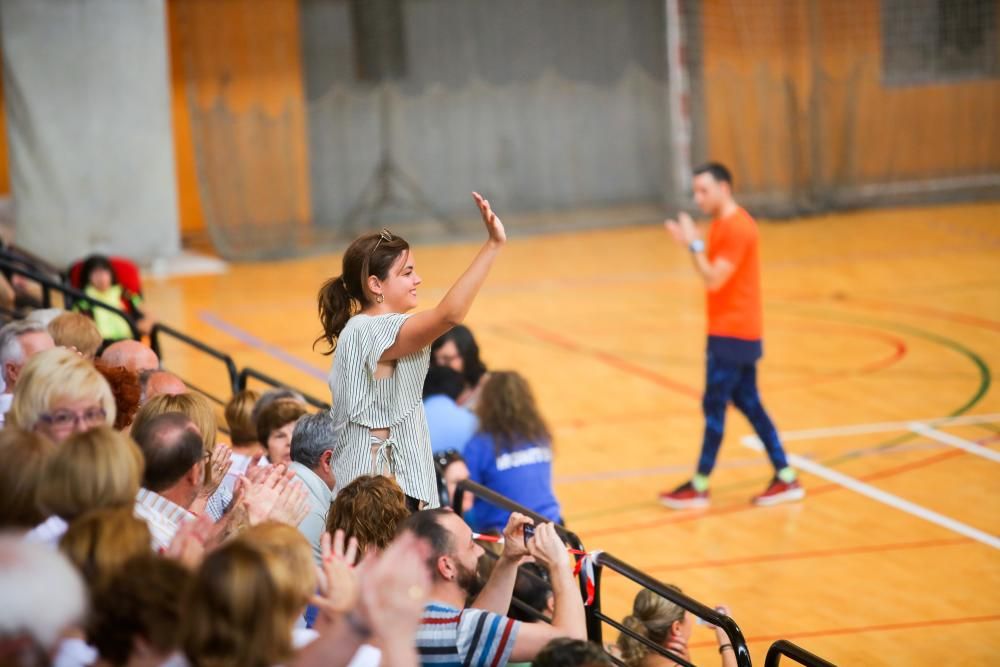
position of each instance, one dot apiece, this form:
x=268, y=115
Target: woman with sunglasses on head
x=382, y=354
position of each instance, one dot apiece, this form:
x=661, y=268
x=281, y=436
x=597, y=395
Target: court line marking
x=955, y=441
x=878, y=495
x=807, y=555
x=883, y=627
x=256, y=343
x=887, y=427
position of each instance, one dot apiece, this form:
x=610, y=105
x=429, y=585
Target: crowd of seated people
x=134, y=532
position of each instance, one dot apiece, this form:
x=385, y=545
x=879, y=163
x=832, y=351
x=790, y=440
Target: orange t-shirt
x=734, y=310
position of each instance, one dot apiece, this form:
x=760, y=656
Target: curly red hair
x=126, y=389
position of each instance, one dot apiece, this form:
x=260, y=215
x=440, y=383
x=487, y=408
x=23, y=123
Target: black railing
x=252, y=373
x=70, y=294
x=160, y=329
x=494, y=498
x=783, y=647
x=595, y=616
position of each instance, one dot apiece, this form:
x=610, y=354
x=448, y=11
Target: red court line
x=898, y=352
x=898, y=345
x=609, y=359
x=804, y=555
x=946, y=315
x=883, y=627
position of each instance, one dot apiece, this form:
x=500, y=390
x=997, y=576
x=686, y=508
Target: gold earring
x=379, y=298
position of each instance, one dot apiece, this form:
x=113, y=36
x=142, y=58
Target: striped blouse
x=361, y=403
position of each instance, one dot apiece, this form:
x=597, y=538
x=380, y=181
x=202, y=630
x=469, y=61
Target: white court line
x=881, y=496
x=955, y=441
x=883, y=427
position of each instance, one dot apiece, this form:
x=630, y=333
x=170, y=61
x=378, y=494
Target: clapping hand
x=682, y=229
x=339, y=586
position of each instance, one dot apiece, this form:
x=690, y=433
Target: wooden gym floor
x=882, y=330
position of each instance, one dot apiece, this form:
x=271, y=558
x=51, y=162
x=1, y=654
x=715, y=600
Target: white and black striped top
x=362, y=403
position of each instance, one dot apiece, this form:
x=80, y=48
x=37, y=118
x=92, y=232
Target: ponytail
x=632, y=650
x=343, y=296
x=651, y=618
x=336, y=306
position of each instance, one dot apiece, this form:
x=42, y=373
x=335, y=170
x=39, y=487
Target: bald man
x=132, y=355
x=157, y=382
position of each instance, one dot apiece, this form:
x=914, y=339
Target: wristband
x=696, y=246
x=723, y=647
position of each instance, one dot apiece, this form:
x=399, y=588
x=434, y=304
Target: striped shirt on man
x=450, y=637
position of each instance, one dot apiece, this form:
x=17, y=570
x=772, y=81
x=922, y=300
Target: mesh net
x=314, y=120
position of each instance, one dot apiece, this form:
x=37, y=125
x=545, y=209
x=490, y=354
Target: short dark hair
x=277, y=414
x=171, y=445
x=566, y=652
x=473, y=367
x=443, y=380
x=426, y=524
x=531, y=587
x=93, y=263
x=718, y=172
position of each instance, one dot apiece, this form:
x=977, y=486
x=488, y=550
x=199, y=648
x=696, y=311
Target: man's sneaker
x=780, y=492
x=685, y=497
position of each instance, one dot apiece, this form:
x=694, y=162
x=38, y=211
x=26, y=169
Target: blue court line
x=249, y=339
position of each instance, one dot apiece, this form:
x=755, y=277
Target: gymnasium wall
x=797, y=102
x=88, y=127
x=239, y=114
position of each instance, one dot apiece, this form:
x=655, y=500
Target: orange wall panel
x=239, y=112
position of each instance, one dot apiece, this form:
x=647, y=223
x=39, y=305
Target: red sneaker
x=779, y=492
x=685, y=497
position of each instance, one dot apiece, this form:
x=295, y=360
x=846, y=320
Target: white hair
x=11, y=350
x=44, y=316
x=42, y=592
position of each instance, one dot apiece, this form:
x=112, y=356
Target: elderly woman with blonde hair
x=91, y=470
x=58, y=394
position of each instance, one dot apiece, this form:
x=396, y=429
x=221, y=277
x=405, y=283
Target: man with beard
x=480, y=633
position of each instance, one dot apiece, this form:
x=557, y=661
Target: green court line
x=985, y=381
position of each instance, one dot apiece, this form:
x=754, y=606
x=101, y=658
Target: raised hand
x=548, y=548
x=514, y=547
x=493, y=225
x=339, y=586
x=220, y=463
x=394, y=589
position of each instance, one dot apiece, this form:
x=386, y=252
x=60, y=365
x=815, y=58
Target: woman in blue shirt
x=512, y=452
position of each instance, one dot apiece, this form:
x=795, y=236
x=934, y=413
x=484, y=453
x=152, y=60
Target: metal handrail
x=160, y=328
x=249, y=372
x=494, y=498
x=595, y=616
x=49, y=284
x=783, y=647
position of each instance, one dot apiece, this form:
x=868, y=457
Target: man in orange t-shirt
x=730, y=268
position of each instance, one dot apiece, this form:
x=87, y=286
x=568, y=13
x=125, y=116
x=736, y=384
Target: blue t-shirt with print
x=522, y=473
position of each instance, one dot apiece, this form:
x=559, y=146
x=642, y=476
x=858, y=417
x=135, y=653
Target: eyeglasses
x=64, y=419
x=384, y=235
